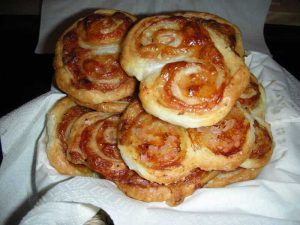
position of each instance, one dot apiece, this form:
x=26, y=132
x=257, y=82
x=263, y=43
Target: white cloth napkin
x=273, y=198
x=249, y=16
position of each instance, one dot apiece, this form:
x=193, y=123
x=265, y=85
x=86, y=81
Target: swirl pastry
x=254, y=98
x=225, y=145
x=59, y=122
x=158, y=151
x=87, y=60
x=262, y=149
x=190, y=76
x=261, y=153
x=230, y=32
x=89, y=138
x=93, y=142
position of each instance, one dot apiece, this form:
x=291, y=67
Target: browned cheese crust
x=262, y=149
x=87, y=61
x=88, y=139
x=141, y=189
x=227, y=144
x=196, y=121
x=230, y=32
x=191, y=74
x=57, y=130
x=156, y=150
x=254, y=98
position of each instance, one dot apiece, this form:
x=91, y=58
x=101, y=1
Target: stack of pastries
x=160, y=106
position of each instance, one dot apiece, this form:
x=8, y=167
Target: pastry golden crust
x=141, y=189
x=225, y=178
x=92, y=142
x=225, y=145
x=261, y=153
x=189, y=74
x=87, y=59
x=59, y=121
x=228, y=30
x=199, y=121
x=254, y=98
x=262, y=149
x=164, y=153
x=90, y=138
x=158, y=151
x=108, y=107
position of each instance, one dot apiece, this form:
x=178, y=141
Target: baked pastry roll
x=90, y=138
x=225, y=145
x=254, y=98
x=93, y=142
x=190, y=76
x=262, y=149
x=230, y=32
x=158, y=151
x=261, y=153
x=141, y=189
x=59, y=122
x=87, y=60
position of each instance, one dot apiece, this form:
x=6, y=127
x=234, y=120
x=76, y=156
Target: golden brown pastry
x=164, y=153
x=141, y=189
x=225, y=178
x=230, y=32
x=254, y=98
x=109, y=107
x=93, y=142
x=225, y=145
x=87, y=60
x=261, y=153
x=190, y=75
x=59, y=122
x=89, y=138
x=262, y=149
x=158, y=151
x=199, y=121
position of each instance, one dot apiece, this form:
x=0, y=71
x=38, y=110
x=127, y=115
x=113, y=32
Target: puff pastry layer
x=92, y=142
x=158, y=151
x=262, y=149
x=229, y=31
x=190, y=73
x=261, y=153
x=165, y=153
x=225, y=145
x=225, y=178
x=254, y=98
x=87, y=60
x=59, y=122
x=200, y=118
x=89, y=138
x=141, y=189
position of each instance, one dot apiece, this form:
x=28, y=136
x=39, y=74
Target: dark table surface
x=26, y=75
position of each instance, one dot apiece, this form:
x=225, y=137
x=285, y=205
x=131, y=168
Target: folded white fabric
x=273, y=198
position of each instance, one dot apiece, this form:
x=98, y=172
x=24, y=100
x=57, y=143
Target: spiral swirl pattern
x=87, y=59
x=189, y=65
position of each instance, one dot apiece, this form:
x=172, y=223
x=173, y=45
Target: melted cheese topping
x=190, y=86
x=91, y=49
x=226, y=137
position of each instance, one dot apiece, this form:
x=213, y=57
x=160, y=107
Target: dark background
x=26, y=75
